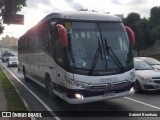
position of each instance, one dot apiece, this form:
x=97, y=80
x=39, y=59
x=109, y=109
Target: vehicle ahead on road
x=151, y=61
x=5, y=56
x=12, y=61
x=147, y=78
x=79, y=56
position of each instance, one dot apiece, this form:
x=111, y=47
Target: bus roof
x=83, y=15
x=80, y=15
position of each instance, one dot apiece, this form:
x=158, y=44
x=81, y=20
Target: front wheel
x=137, y=87
x=49, y=86
x=26, y=79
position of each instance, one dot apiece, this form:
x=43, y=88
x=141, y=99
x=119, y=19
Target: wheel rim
x=49, y=87
x=24, y=73
x=137, y=86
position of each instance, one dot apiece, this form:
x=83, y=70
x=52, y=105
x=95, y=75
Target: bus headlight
x=132, y=90
x=77, y=83
x=79, y=96
x=132, y=77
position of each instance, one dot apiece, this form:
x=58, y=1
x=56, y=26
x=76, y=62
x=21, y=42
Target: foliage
x=131, y=20
x=154, y=17
x=139, y=26
x=144, y=40
x=154, y=23
x=155, y=33
x=147, y=31
x=14, y=102
x=14, y=6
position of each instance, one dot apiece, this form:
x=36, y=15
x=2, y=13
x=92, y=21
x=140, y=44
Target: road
x=36, y=100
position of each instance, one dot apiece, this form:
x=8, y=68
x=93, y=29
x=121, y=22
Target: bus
x=79, y=56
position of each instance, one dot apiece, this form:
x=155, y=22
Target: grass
x=14, y=102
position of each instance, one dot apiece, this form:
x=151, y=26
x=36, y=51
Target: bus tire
x=137, y=87
x=49, y=86
x=26, y=79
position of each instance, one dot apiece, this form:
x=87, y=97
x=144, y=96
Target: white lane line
x=57, y=118
x=45, y=105
x=142, y=103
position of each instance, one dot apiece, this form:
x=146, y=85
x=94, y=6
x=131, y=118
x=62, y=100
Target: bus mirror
x=130, y=35
x=63, y=35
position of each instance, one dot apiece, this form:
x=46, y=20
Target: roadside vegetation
x=146, y=30
x=14, y=102
x=155, y=56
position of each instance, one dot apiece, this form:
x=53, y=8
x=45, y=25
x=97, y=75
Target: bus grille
x=103, y=87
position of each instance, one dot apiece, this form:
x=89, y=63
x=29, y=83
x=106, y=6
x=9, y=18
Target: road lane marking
x=142, y=103
x=49, y=109
x=44, y=104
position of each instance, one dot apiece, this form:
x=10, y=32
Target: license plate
x=109, y=93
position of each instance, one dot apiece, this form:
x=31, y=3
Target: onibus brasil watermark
x=22, y=114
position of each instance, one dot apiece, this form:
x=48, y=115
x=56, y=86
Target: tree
x=154, y=23
x=131, y=21
x=9, y=7
x=155, y=33
x=144, y=40
x=154, y=17
x=141, y=31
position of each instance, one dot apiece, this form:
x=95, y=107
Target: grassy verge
x=14, y=102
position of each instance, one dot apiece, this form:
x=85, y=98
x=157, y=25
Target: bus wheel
x=49, y=86
x=137, y=87
x=26, y=79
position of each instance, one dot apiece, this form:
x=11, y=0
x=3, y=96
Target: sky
x=38, y=9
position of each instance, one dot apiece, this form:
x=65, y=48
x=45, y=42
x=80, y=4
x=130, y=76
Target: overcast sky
x=37, y=9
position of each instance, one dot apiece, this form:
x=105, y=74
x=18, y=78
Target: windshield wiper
x=95, y=59
x=114, y=57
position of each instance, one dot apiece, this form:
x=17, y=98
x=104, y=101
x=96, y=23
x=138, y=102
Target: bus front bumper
x=80, y=99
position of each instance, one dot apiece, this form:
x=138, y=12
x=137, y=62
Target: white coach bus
x=79, y=56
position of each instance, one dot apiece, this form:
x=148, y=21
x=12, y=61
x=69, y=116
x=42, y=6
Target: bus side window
x=55, y=44
x=25, y=43
x=43, y=38
x=20, y=44
x=30, y=40
x=53, y=36
x=58, y=49
x=34, y=40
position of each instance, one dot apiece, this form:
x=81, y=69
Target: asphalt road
x=36, y=100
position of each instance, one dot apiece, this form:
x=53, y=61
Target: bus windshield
x=85, y=38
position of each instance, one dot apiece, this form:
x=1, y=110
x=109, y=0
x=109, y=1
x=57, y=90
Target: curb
x=23, y=100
